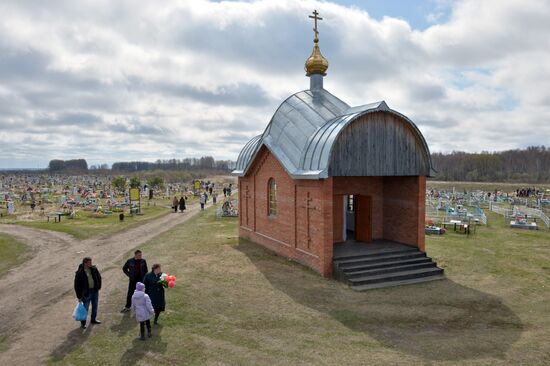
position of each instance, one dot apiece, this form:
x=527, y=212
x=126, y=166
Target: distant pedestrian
x=87, y=283
x=214, y=197
x=182, y=204
x=155, y=290
x=135, y=268
x=202, y=201
x=224, y=192
x=142, y=310
x=175, y=204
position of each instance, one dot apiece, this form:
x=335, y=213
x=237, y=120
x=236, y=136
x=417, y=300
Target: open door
x=363, y=218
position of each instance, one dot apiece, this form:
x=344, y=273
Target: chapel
x=337, y=188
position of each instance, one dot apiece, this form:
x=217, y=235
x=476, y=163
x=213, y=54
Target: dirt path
x=37, y=297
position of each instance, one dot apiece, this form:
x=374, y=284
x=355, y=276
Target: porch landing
x=353, y=248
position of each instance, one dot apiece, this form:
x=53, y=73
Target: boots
x=142, y=330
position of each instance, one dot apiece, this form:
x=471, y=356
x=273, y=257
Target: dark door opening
x=349, y=217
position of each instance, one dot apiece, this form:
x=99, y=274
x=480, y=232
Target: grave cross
x=246, y=197
x=308, y=207
x=315, y=18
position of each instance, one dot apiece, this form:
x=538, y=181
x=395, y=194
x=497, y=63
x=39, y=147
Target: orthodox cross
x=246, y=197
x=315, y=18
x=308, y=207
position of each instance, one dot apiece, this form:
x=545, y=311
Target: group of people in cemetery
x=145, y=298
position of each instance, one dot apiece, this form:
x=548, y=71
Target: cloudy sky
x=147, y=79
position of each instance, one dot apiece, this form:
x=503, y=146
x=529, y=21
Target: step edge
x=395, y=274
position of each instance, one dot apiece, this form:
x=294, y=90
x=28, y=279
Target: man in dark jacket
x=135, y=268
x=87, y=283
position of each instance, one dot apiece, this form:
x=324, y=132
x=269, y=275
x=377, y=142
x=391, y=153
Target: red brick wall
x=421, y=237
x=404, y=208
x=338, y=218
x=295, y=232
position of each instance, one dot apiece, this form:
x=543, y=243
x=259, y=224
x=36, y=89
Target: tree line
x=203, y=163
x=74, y=165
x=521, y=165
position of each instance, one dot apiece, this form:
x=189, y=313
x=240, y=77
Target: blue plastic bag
x=80, y=313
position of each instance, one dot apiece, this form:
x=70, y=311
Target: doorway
x=349, y=217
x=357, y=218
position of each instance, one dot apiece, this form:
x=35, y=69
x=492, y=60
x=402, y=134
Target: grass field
x=85, y=226
x=238, y=304
x=12, y=253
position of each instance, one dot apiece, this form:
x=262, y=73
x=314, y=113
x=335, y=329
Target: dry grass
x=12, y=253
x=85, y=226
x=238, y=304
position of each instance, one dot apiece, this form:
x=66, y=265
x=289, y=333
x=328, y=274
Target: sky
x=144, y=80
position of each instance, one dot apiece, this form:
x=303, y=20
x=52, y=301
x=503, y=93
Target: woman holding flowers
x=154, y=287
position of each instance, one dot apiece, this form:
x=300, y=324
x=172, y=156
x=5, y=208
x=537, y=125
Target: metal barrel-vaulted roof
x=304, y=130
x=245, y=156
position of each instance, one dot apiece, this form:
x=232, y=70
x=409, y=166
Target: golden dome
x=316, y=63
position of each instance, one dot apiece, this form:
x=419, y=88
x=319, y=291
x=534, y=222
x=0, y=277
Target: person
x=142, y=310
x=202, y=201
x=182, y=204
x=224, y=192
x=214, y=197
x=155, y=290
x=87, y=283
x=135, y=268
x=175, y=204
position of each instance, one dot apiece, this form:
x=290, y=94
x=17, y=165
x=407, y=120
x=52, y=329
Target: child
x=142, y=309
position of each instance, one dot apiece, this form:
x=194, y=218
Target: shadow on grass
x=440, y=320
x=75, y=338
x=125, y=325
x=140, y=348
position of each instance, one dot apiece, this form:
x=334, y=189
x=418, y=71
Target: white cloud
x=144, y=80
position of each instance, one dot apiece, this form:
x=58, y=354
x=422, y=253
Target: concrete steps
x=386, y=268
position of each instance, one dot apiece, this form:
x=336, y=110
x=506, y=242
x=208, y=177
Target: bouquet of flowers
x=167, y=280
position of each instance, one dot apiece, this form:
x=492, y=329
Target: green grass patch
x=12, y=253
x=236, y=303
x=84, y=226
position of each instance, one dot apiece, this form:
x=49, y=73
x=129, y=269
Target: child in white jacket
x=142, y=309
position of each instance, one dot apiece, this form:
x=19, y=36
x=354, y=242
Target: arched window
x=272, y=198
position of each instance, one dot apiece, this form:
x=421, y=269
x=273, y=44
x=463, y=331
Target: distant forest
x=531, y=165
x=75, y=165
x=205, y=163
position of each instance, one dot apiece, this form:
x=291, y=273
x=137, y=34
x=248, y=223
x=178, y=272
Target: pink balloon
x=171, y=284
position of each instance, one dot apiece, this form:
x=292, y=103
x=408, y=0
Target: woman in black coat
x=182, y=204
x=155, y=290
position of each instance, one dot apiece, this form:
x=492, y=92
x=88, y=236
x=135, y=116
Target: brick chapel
x=324, y=173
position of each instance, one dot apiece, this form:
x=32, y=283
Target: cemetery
x=336, y=235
